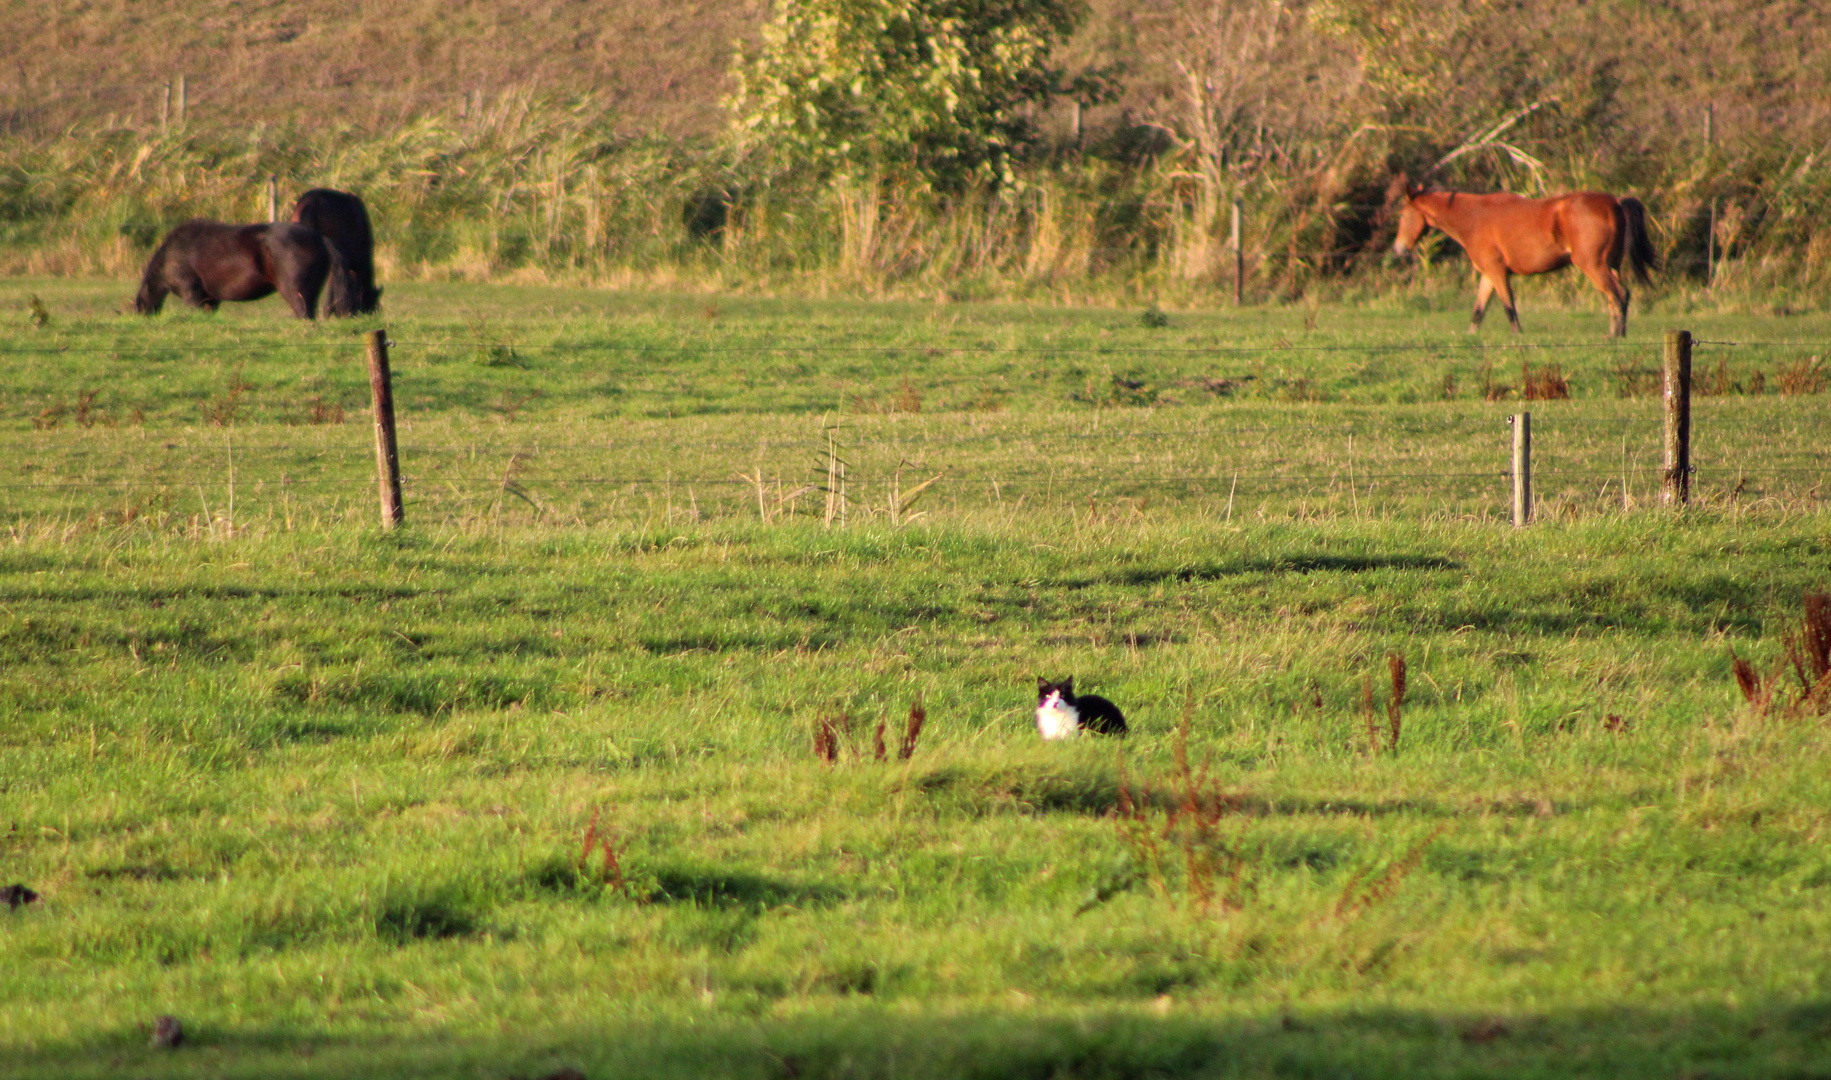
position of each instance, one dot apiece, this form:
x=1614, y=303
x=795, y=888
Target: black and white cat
x=1062, y=715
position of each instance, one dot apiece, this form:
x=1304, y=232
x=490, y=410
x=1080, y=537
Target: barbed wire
x=938, y=347
x=1552, y=468
x=1046, y=349
x=1359, y=479
x=539, y=454
x=143, y=350
x=355, y=436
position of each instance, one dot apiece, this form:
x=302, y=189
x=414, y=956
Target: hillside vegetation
x=341, y=62
x=586, y=141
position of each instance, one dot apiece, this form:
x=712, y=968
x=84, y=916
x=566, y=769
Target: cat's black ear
x=1042, y=685
x=1068, y=686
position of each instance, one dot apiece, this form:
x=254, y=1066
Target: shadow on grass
x=1277, y=564
x=718, y=888
x=707, y=887
x=1096, y=793
x=848, y=1037
x=429, y=917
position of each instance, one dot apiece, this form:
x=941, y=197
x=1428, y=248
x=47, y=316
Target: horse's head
x=358, y=297
x=149, y=299
x=1412, y=224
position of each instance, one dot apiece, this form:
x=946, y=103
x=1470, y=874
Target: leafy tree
x=934, y=92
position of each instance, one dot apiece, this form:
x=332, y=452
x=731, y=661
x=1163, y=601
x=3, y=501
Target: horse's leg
x=1504, y=286
x=300, y=274
x=303, y=304
x=1606, y=279
x=190, y=286
x=1484, y=291
x=298, y=296
x=152, y=295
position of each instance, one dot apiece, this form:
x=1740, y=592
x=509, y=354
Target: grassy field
x=322, y=792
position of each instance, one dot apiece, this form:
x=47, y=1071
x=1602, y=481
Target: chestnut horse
x=1510, y=234
x=207, y=262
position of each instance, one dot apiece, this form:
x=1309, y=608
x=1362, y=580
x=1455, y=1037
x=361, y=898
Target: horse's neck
x=1444, y=213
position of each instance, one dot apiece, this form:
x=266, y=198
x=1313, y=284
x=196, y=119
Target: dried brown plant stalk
x=1810, y=649
x=1213, y=870
x=913, y=731
x=610, y=873
x=1808, y=656
x=1395, y=666
x=1753, y=686
x=1362, y=893
x=1546, y=384
x=826, y=739
x=1133, y=825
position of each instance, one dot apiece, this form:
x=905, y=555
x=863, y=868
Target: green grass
x=600, y=355
x=321, y=792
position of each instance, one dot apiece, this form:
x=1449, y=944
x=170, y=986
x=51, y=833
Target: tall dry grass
x=527, y=186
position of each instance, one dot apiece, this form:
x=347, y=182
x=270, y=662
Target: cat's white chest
x=1057, y=720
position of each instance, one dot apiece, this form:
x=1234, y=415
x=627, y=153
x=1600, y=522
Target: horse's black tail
x=1641, y=255
x=340, y=297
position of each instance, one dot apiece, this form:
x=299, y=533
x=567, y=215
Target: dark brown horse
x=1509, y=234
x=344, y=221
x=207, y=262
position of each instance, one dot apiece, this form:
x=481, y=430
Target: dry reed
x=1546, y=384
x=1804, y=376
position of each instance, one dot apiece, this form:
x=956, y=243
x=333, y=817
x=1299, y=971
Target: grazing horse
x=344, y=221
x=208, y=262
x=1509, y=234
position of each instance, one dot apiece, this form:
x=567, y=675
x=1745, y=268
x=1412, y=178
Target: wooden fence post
x=387, y=451
x=1522, y=468
x=1677, y=385
x=165, y=107
x=1239, y=255
x=1710, y=249
x=183, y=99
x=273, y=198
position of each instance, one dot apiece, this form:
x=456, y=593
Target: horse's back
x=290, y=234
x=202, y=234
x=203, y=245
x=292, y=247
x=225, y=262
x=340, y=216
x=1591, y=224
x=329, y=200
x=1534, y=229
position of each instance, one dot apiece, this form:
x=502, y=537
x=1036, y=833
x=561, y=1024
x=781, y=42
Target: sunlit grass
x=322, y=792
